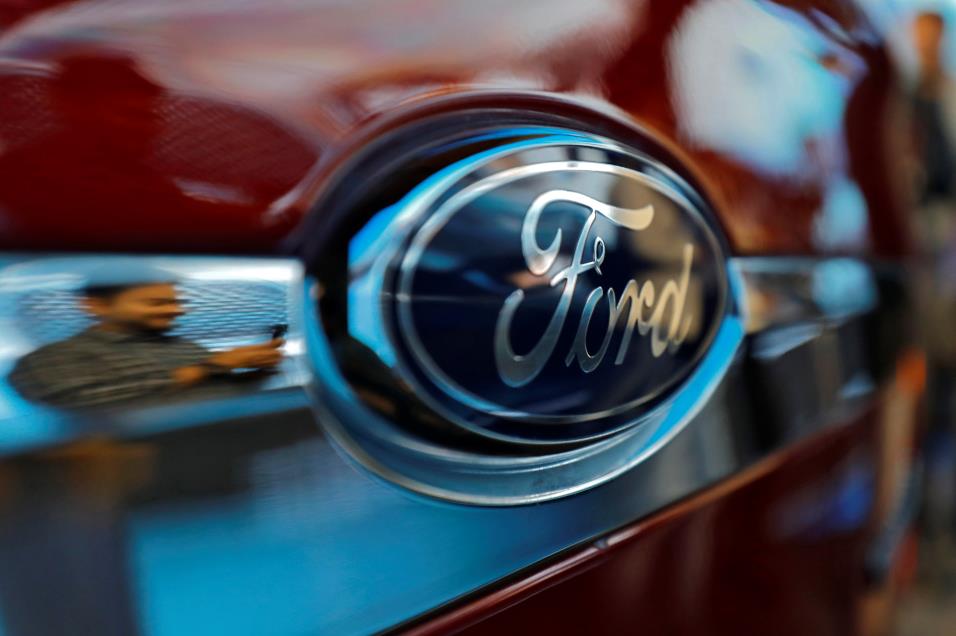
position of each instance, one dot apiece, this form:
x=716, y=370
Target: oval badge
x=553, y=290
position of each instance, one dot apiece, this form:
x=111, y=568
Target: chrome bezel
x=522, y=469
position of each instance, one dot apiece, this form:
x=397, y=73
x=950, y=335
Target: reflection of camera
x=279, y=331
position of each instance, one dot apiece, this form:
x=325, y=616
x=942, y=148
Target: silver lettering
x=519, y=369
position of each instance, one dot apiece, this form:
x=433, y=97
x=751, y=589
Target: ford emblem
x=552, y=290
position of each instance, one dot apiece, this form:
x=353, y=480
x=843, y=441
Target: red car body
x=213, y=127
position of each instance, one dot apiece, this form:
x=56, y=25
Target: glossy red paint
x=209, y=126
x=777, y=549
x=758, y=554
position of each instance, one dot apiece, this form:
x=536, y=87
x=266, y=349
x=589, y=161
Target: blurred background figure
x=128, y=353
x=934, y=109
x=930, y=107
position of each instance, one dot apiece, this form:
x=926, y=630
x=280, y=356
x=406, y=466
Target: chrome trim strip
x=792, y=290
x=787, y=320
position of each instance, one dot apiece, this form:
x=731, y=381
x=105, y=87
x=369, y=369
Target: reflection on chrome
x=101, y=332
x=788, y=291
x=814, y=319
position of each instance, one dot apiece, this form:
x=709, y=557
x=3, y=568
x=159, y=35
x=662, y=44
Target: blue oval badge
x=555, y=292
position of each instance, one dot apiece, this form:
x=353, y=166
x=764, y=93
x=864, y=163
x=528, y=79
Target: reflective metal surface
x=247, y=502
x=92, y=345
x=793, y=291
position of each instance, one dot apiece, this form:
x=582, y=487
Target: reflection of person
x=128, y=353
